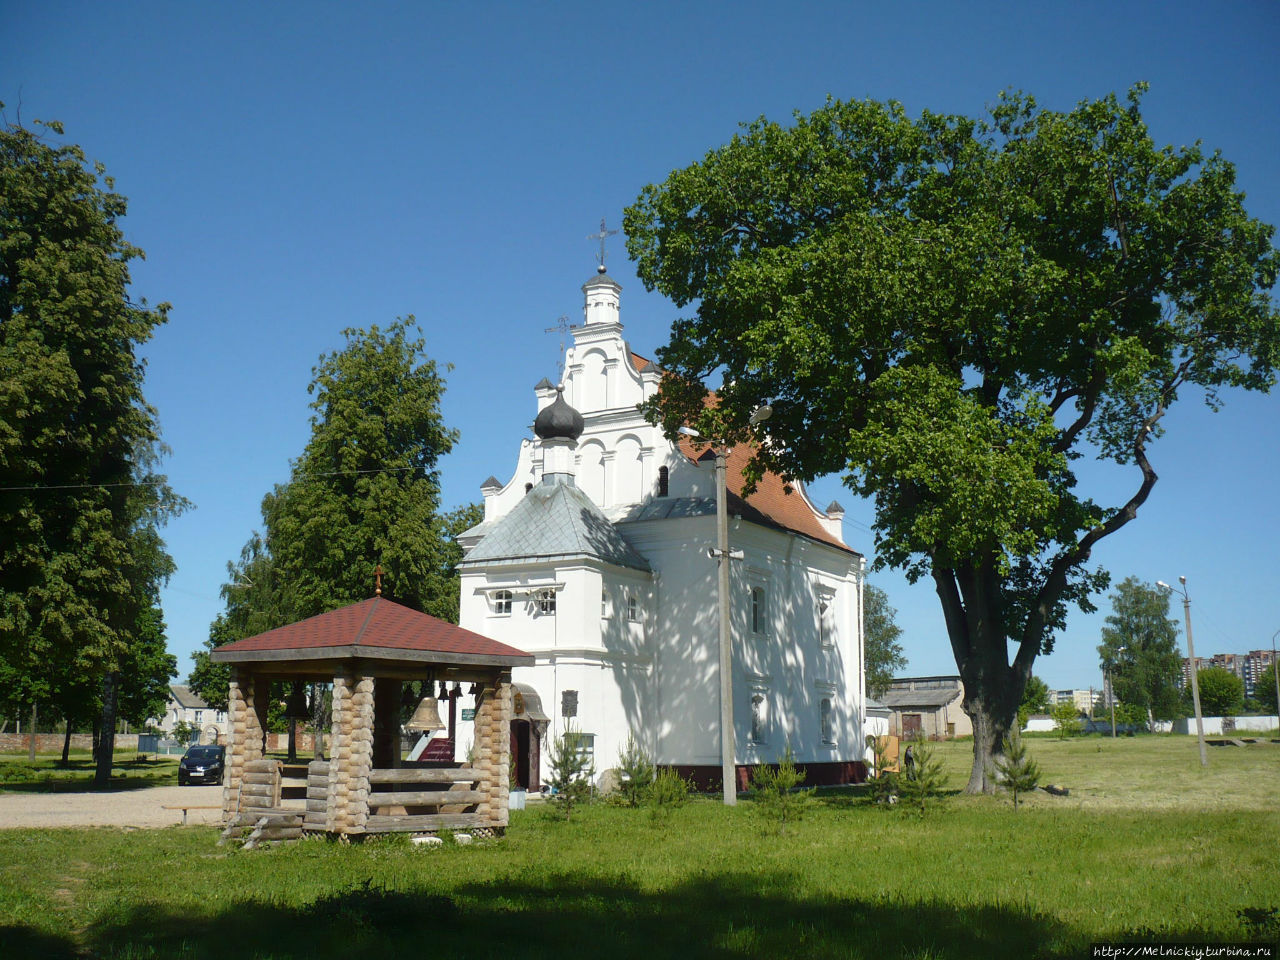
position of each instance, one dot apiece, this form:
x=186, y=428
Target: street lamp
x=728, y=771
x=1191, y=655
x=1111, y=690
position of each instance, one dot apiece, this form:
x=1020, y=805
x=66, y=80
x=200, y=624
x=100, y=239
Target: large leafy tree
x=1139, y=650
x=364, y=493
x=882, y=653
x=952, y=311
x=80, y=558
x=1221, y=692
x=1264, y=690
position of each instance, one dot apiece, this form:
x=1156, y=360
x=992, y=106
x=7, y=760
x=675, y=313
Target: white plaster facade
x=639, y=646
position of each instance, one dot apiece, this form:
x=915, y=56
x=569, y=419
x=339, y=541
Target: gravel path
x=123, y=808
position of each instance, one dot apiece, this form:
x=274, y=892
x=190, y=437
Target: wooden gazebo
x=368, y=651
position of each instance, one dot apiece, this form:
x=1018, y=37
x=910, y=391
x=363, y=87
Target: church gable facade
x=593, y=557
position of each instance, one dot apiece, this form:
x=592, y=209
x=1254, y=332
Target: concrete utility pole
x=1195, y=672
x=728, y=769
x=1275, y=669
x=728, y=765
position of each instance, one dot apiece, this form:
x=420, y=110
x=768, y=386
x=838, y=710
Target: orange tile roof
x=773, y=499
x=639, y=362
x=375, y=623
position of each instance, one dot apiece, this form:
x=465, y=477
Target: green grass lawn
x=129, y=771
x=1147, y=845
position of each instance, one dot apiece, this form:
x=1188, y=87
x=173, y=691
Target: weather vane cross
x=603, y=235
x=564, y=326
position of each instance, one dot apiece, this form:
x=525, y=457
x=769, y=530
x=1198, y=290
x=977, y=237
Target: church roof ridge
x=555, y=520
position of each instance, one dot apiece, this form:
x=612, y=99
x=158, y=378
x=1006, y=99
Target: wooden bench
x=184, y=807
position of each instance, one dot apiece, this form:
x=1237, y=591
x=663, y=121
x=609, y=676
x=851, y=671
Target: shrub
x=1018, y=773
x=923, y=780
x=776, y=790
x=1066, y=717
x=571, y=772
x=635, y=772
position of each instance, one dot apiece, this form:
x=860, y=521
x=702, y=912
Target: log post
x=339, y=755
x=245, y=733
x=361, y=753
x=351, y=753
x=493, y=748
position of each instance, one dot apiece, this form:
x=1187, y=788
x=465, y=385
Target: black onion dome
x=559, y=421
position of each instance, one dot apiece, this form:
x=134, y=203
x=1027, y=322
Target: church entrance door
x=523, y=752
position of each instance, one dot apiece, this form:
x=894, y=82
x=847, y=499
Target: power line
x=153, y=483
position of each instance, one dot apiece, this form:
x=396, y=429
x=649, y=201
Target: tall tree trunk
x=107, y=741
x=993, y=687
x=66, y=745
x=31, y=750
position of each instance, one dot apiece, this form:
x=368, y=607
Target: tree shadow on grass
x=559, y=915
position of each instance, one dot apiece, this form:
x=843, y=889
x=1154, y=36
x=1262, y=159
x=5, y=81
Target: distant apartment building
x=1082, y=699
x=1249, y=667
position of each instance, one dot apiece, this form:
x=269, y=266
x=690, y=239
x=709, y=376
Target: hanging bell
x=295, y=705
x=427, y=716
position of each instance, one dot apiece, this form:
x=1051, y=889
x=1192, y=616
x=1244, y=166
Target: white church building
x=593, y=557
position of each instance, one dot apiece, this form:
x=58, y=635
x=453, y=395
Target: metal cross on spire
x=564, y=326
x=603, y=235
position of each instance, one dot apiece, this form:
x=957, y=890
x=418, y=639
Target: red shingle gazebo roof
x=375, y=629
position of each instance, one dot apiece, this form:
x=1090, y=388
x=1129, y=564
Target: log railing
x=447, y=791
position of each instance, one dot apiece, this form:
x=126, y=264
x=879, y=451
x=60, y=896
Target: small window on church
x=502, y=603
x=828, y=726
x=757, y=610
x=633, y=608
x=547, y=602
x=664, y=476
x=826, y=617
x=528, y=487
x=759, y=717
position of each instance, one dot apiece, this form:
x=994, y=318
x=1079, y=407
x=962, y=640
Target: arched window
x=528, y=487
x=502, y=603
x=663, y=481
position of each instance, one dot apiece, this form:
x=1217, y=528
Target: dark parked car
x=201, y=765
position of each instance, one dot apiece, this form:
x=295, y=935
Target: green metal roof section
x=554, y=520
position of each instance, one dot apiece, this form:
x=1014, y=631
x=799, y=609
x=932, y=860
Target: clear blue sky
x=294, y=169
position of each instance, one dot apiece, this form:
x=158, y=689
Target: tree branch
x=944, y=579
x=1056, y=581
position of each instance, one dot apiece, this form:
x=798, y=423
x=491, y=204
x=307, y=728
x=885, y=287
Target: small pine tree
x=1016, y=771
x=923, y=780
x=885, y=782
x=635, y=772
x=667, y=791
x=776, y=792
x=571, y=772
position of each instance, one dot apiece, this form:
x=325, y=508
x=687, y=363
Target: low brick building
x=928, y=707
